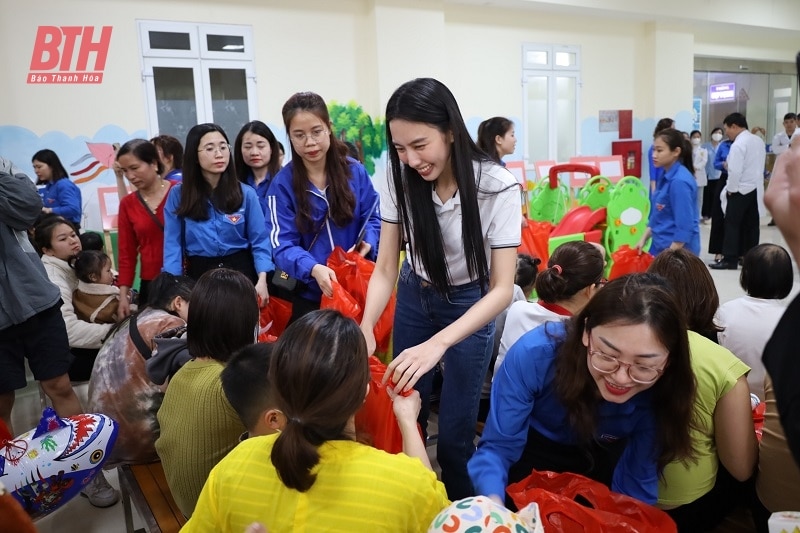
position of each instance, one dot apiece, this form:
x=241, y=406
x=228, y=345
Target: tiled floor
x=80, y=517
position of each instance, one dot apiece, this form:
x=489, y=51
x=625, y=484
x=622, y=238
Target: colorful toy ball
x=50, y=464
x=479, y=513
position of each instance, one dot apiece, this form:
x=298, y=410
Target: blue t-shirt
x=674, y=215
x=524, y=396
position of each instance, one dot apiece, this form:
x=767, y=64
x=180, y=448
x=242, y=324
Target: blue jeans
x=420, y=313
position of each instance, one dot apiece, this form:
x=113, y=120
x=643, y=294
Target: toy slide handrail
x=555, y=170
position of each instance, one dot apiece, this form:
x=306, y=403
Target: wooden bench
x=147, y=487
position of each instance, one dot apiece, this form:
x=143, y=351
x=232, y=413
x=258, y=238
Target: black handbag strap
x=149, y=212
x=138, y=340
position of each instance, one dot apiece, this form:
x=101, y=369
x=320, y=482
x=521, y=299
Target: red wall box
x=631, y=152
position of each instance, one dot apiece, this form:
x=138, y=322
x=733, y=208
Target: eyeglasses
x=211, y=150
x=300, y=137
x=608, y=364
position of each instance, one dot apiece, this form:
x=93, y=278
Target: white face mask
x=696, y=141
x=717, y=137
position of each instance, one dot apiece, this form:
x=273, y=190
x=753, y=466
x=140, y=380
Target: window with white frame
x=550, y=88
x=195, y=73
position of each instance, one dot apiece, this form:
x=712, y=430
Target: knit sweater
x=198, y=428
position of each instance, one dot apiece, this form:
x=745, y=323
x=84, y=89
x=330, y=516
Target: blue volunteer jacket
x=222, y=234
x=524, y=395
x=293, y=251
x=673, y=215
x=261, y=190
x=723, y=150
x=64, y=198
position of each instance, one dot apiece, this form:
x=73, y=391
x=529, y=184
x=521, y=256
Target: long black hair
x=488, y=130
x=340, y=196
x=50, y=158
x=429, y=101
x=195, y=191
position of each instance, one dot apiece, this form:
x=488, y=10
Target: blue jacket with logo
x=220, y=235
x=298, y=252
x=674, y=216
x=64, y=198
x=524, y=396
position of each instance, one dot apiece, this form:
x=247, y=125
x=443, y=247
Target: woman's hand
x=324, y=276
x=363, y=248
x=643, y=241
x=782, y=197
x=47, y=210
x=413, y=363
x=406, y=408
x=261, y=289
x=369, y=336
x=124, y=308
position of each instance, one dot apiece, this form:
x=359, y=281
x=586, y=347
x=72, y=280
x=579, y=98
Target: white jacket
x=522, y=317
x=81, y=334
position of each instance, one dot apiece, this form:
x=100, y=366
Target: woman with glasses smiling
x=608, y=395
x=320, y=200
x=211, y=219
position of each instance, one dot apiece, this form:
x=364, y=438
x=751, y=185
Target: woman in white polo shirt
x=459, y=215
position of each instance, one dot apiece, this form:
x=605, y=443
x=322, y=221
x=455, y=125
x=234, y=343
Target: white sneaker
x=100, y=493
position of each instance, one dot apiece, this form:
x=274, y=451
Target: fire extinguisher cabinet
x=631, y=152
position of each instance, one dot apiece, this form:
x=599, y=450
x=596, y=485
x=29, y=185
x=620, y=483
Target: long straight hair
x=340, y=196
x=429, y=101
x=195, y=190
x=319, y=375
x=50, y=158
x=258, y=128
x=631, y=300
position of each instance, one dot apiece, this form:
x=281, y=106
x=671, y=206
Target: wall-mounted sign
x=723, y=92
x=69, y=54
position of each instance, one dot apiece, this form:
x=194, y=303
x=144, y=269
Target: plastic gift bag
x=627, y=260
x=353, y=273
x=479, y=513
x=376, y=423
x=341, y=301
x=535, y=240
x=607, y=512
x=273, y=319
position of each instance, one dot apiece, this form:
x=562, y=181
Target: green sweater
x=198, y=428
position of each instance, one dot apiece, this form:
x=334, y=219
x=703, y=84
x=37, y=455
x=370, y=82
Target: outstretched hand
x=413, y=363
x=782, y=197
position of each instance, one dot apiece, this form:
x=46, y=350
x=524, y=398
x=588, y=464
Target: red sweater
x=139, y=234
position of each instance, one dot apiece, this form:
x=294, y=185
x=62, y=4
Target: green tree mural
x=352, y=123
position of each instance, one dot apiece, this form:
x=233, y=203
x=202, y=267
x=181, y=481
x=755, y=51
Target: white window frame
x=200, y=60
x=551, y=71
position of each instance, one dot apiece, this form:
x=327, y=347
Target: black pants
x=596, y=460
x=241, y=261
x=81, y=368
x=301, y=306
x=717, y=234
x=741, y=225
x=708, y=511
x=708, y=198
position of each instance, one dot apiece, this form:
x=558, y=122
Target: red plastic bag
x=353, y=273
x=341, y=301
x=273, y=319
x=628, y=260
x=609, y=512
x=376, y=423
x=536, y=240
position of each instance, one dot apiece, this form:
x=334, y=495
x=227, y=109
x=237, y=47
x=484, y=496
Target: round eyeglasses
x=211, y=150
x=608, y=364
x=300, y=137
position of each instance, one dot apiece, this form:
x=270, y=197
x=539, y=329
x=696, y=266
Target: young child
x=96, y=299
x=245, y=382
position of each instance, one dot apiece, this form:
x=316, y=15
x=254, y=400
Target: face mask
x=696, y=141
x=717, y=137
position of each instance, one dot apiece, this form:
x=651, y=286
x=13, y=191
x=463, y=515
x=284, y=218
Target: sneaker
x=100, y=493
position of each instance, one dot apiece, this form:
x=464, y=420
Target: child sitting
x=245, y=382
x=96, y=299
